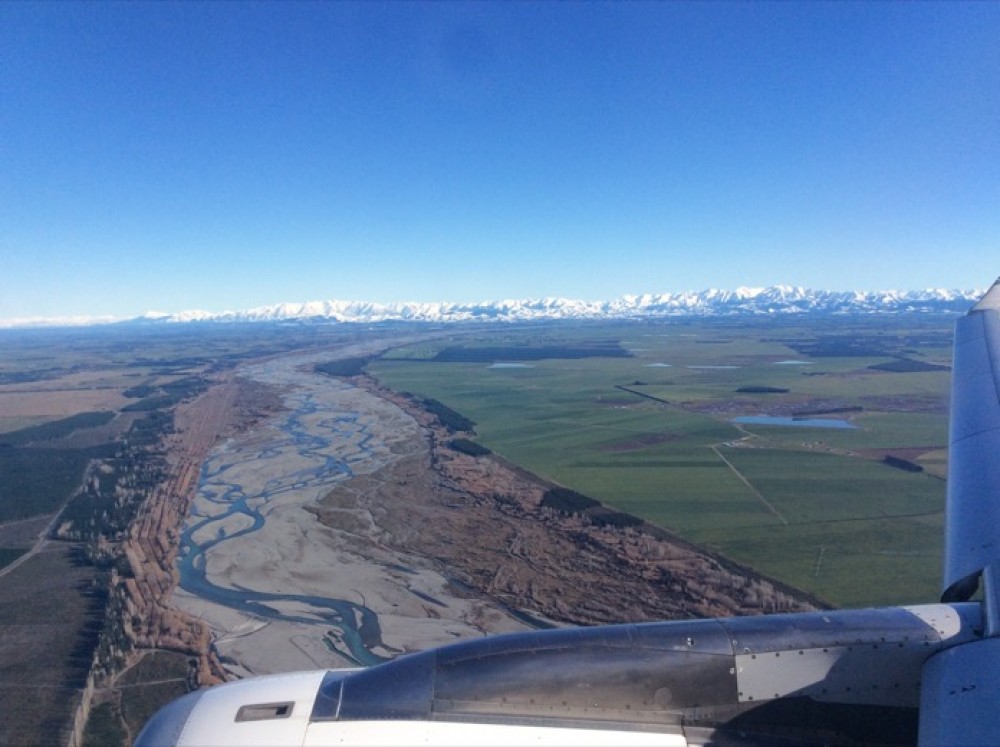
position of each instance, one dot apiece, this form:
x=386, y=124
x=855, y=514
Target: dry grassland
x=52, y=404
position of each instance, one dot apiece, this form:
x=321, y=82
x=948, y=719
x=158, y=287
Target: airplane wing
x=972, y=538
x=961, y=685
x=895, y=676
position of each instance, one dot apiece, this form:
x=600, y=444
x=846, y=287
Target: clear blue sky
x=173, y=156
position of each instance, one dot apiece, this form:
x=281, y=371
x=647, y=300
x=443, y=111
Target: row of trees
x=100, y=515
x=102, y=510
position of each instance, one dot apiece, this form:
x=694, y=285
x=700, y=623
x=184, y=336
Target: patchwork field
x=637, y=415
x=78, y=409
x=51, y=611
x=651, y=434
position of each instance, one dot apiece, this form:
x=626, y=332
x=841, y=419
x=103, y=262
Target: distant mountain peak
x=743, y=301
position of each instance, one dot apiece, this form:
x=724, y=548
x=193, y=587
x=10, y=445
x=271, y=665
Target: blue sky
x=175, y=156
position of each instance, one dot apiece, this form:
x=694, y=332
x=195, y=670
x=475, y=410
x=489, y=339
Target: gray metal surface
x=764, y=633
x=972, y=537
x=166, y=727
x=873, y=674
x=869, y=657
x=755, y=676
x=961, y=695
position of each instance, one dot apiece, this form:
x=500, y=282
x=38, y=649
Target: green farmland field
x=650, y=434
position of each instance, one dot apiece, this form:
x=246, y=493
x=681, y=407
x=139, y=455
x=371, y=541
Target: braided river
x=282, y=591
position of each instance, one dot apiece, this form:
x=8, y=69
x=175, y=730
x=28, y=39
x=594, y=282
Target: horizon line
x=192, y=315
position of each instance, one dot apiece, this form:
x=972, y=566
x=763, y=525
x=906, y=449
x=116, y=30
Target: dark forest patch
x=907, y=365
x=866, y=343
x=344, y=367
x=57, y=428
x=833, y=410
x=465, y=446
x=39, y=481
x=453, y=421
x=568, y=501
x=903, y=464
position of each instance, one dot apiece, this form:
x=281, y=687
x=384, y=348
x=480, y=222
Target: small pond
x=793, y=422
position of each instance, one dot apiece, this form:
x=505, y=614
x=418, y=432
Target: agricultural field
x=82, y=412
x=852, y=514
x=158, y=678
x=51, y=610
x=636, y=415
x=68, y=396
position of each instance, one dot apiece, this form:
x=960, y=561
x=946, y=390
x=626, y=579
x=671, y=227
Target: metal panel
x=402, y=689
x=871, y=657
x=972, y=539
x=638, y=673
x=166, y=727
x=770, y=633
x=961, y=695
x=212, y=720
x=641, y=686
x=952, y=622
x=873, y=674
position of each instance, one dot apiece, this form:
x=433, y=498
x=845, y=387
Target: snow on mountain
x=55, y=321
x=743, y=301
x=779, y=299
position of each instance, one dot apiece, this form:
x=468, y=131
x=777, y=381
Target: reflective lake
x=793, y=422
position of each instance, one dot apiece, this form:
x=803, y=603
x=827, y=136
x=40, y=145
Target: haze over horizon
x=176, y=156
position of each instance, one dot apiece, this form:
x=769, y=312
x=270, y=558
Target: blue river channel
x=358, y=625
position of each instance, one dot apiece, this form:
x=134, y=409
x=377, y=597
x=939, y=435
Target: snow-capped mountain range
x=776, y=300
x=779, y=299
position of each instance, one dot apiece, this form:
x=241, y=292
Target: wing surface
x=972, y=537
x=960, y=686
